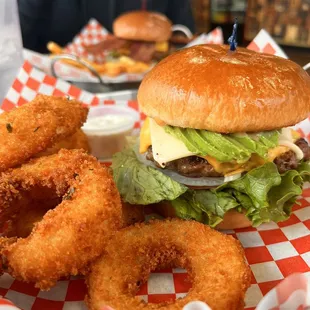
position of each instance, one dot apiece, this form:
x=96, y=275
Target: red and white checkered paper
x=213, y=37
x=94, y=33
x=273, y=251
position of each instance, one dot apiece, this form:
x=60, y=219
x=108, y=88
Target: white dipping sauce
x=108, y=123
x=107, y=133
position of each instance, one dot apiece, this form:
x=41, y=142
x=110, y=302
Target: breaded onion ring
x=215, y=263
x=35, y=126
x=70, y=236
x=132, y=214
x=74, y=142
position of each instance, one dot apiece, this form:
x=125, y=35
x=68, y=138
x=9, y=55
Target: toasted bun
x=232, y=219
x=209, y=87
x=142, y=26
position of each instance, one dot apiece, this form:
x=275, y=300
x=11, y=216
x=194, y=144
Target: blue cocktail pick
x=232, y=40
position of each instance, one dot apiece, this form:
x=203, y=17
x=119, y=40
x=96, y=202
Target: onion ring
x=215, y=263
x=35, y=126
x=74, y=142
x=132, y=214
x=68, y=237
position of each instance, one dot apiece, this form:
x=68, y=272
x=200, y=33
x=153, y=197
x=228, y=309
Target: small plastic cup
x=107, y=127
x=11, y=57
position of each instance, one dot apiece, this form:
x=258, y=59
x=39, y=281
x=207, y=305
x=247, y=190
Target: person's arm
x=34, y=16
x=180, y=12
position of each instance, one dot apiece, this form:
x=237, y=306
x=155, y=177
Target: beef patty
x=194, y=166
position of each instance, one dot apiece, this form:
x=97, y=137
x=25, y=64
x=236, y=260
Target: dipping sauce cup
x=107, y=127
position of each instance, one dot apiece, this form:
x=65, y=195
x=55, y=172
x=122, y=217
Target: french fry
x=127, y=61
x=54, y=48
x=138, y=67
x=112, y=69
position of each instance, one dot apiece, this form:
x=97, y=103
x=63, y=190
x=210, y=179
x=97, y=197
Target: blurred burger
x=141, y=35
x=217, y=145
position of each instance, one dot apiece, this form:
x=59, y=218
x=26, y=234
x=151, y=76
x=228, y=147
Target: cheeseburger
x=217, y=145
x=141, y=35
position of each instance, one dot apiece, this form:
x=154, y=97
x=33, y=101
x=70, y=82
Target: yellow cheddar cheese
x=277, y=151
x=227, y=168
x=161, y=46
x=145, y=136
x=231, y=168
x=295, y=134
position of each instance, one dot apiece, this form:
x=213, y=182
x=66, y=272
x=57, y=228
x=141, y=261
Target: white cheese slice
x=166, y=147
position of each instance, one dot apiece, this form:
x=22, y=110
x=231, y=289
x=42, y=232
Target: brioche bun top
x=142, y=26
x=209, y=87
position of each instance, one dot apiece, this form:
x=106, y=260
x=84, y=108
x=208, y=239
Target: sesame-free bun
x=232, y=219
x=142, y=26
x=209, y=87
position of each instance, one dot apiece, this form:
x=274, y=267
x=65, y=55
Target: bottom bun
x=232, y=219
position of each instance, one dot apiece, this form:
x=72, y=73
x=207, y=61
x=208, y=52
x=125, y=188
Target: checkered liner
x=213, y=37
x=93, y=33
x=273, y=251
x=264, y=43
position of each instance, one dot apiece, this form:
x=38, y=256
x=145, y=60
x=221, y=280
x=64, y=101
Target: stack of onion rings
x=72, y=234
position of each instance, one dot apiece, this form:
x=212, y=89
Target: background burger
x=216, y=146
x=141, y=35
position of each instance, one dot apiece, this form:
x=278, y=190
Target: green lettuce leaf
x=262, y=194
x=304, y=171
x=140, y=184
x=225, y=147
x=206, y=206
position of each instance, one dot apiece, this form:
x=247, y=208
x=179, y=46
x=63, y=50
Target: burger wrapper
x=94, y=33
x=278, y=254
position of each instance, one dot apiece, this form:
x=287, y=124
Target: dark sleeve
x=34, y=16
x=180, y=12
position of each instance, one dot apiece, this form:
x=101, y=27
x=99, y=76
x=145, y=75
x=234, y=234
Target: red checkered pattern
x=273, y=251
x=264, y=43
x=43, y=62
x=72, y=73
x=30, y=82
x=92, y=33
x=213, y=37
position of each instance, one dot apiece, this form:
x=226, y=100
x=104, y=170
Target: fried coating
x=35, y=126
x=215, y=263
x=76, y=141
x=72, y=234
x=132, y=214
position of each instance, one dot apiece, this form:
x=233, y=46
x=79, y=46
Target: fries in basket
x=124, y=64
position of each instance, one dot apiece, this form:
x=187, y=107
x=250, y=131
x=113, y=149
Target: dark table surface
x=299, y=55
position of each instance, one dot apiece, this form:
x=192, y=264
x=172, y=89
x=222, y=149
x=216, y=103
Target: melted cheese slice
x=161, y=46
x=166, y=147
x=145, y=136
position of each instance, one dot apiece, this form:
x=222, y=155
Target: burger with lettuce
x=217, y=145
